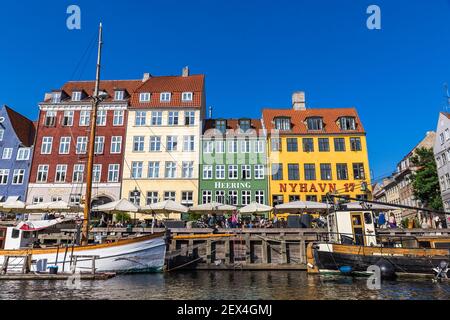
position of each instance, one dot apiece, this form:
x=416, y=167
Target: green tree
x=425, y=180
x=123, y=217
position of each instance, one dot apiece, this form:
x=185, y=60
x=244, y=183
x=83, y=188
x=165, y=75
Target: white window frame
x=188, y=169
x=4, y=176
x=170, y=171
x=145, y=97
x=23, y=154
x=42, y=172
x=85, y=118
x=259, y=172
x=207, y=172
x=140, y=119
x=234, y=168
x=97, y=173
x=153, y=169
x=156, y=119
x=116, y=145
x=47, y=143
x=99, y=142
x=69, y=115
x=19, y=175
x=155, y=141
x=78, y=173
x=174, y=118
x=7, y=153
x=102, y=116
x=138, y=144
x=62, y=170
x=187, y=96
x=119, y=95
x=165, y=97
x=118, y=118
x=81, y=147
x=114, y=173
x=137, y=168
x=64, y=145
x=189, y=144
x=220, y=172
x=76, y=96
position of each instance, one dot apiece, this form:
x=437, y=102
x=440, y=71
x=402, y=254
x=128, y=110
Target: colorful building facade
x=313, y=152
x=233, y=167
x=60, y=155
x=163, y=134
x=17, y=135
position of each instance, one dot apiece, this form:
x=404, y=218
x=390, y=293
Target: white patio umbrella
x=213, y=207
x=117, y=206
x=302, y=206
x=165, y=207
x=255, y=207
x=368, y=206
x=13, y=204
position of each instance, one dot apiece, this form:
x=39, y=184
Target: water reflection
x=231, y=285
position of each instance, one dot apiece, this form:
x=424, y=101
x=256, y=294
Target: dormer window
x=283, y=124
x=144, y=97
x=56, y=97
x=244, y=125
x=76, y=96
x=119, y=95
x=187, y=96
x=314, y=123
x=165, y=97
x=221, y=125
x=347, y=123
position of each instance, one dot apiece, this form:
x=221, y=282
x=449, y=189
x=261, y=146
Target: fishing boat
x=354, y=246
x=127, y=255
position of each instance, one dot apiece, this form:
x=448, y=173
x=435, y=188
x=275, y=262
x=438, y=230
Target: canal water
x=230, y=285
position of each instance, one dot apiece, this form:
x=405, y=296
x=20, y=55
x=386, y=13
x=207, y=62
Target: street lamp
x=135, y=194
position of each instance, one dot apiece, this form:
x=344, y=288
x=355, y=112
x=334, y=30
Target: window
x=277, y=172
x=260, y=196
x=173, y=118
x=165, y=97
x=292, y=145
x=259, y=172
x=308, y=145
x=233, y=172
x=246, y=172
x=314, y=123
x=283, y=124
x=443, y=185
x=170, y=196
x=140, y=119
x=97, y=173
x=155, y=144
x=232, y=146
x=444, y=159
x=245, y=146
x=245, y=125
x=324, y=145
x=447, y=178
x=118, y=118
x=136, y=169
x=116, y=145
x=101, y=118
x=156, y=118
x=310, y=172
x=293, y=172
x=76, y=96
x=277, y=200
x=208, y=146
x=220, y=172
x=294, y=198
x=64, y=145
x=144, y=96
x=339, y=144
x=4, y=174
x=2, y=134
x=56, y=97
x=135, y=197
x=50, y=119
x=119, y=95
x=276, y=144
x=358, y=171
x=207, y=196
x=68, y=119
x=85, y=118
x=113, y=172
x=78, y=173
x=171, y=170
x=172, y=143
x=220, y=196
x=233, y=197
x=325, y=171
x=220, y=146
x=18, y=176
x=189, y=118
x=7, y=153
x=207, y=172
x=189, y=143
x=221, y=125
x=355, y=144
x=75, y=199
x=441, y=136
x=311, y=198
x=152, y=197
x=42, y=174
x=246, y=198
x=81, y=147
x=61, y=171
x=347, y=123
x=188, y=170
x=153, y=169
x=56, y=199
x=260, y=146
x=187, y=96
x=38, y=199
x=138, y=144
x=46, y=147
x=342, y=171
x=99, y=145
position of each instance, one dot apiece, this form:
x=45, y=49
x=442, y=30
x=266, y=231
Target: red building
x=60, y=153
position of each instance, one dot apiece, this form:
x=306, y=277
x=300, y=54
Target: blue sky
x=255, y=54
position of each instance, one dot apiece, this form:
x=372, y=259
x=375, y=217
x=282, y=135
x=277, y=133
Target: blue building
x=16, y=151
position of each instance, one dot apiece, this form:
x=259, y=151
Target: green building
x=233, y=163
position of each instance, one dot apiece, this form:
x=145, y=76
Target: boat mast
x=90, y=165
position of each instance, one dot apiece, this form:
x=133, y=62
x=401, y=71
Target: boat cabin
x=352, y=227
x=17, y=239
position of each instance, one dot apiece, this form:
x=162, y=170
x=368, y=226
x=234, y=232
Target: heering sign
x=233, y=185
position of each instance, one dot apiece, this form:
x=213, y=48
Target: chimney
x=146, y=76
x=186, y=72
x=299, y=101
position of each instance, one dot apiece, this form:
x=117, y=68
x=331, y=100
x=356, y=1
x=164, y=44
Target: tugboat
x=355, y=247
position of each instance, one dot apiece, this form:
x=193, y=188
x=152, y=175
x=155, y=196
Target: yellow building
x=313, y=152
x=162, y=142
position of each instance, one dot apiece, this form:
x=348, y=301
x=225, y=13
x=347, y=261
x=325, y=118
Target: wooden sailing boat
x=134, y=254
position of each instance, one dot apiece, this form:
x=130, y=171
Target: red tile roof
x=298, y=119
x=25, y=128
x=175, y=85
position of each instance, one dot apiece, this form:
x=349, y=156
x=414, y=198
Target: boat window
x=368, y=218
x=357, y=220
x=425, y=244
x=27, y=235
x=442, y=245
x=15, y=234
